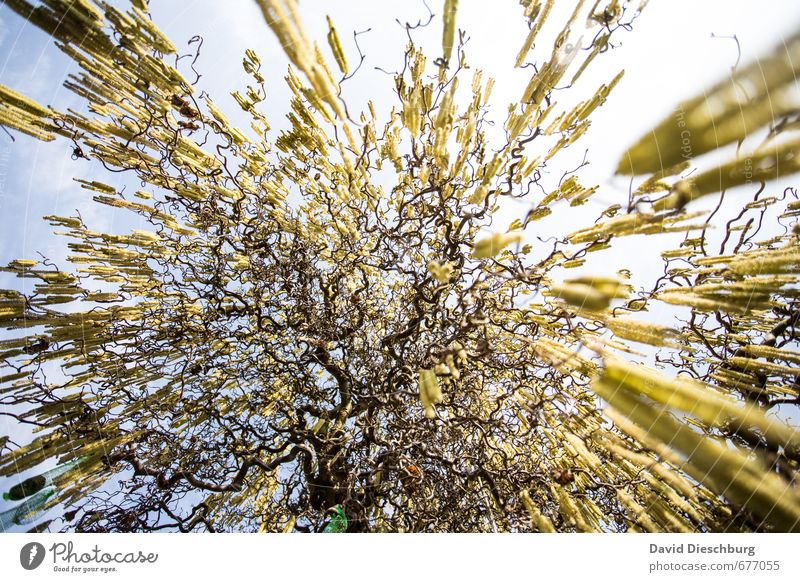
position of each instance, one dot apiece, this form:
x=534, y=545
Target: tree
x=323, y=328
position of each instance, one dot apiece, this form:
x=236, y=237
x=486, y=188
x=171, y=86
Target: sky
x=676, y=48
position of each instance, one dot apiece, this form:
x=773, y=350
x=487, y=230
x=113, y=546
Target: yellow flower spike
x=449, y=33
x=581, y=296
x=336, y=47
x=430, y=392
x=442, y=272
x=491, y=245
x=539, y=521
x=451, y=367
x=755, y=95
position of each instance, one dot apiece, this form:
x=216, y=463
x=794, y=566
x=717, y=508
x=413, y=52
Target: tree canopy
x=323, y=328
